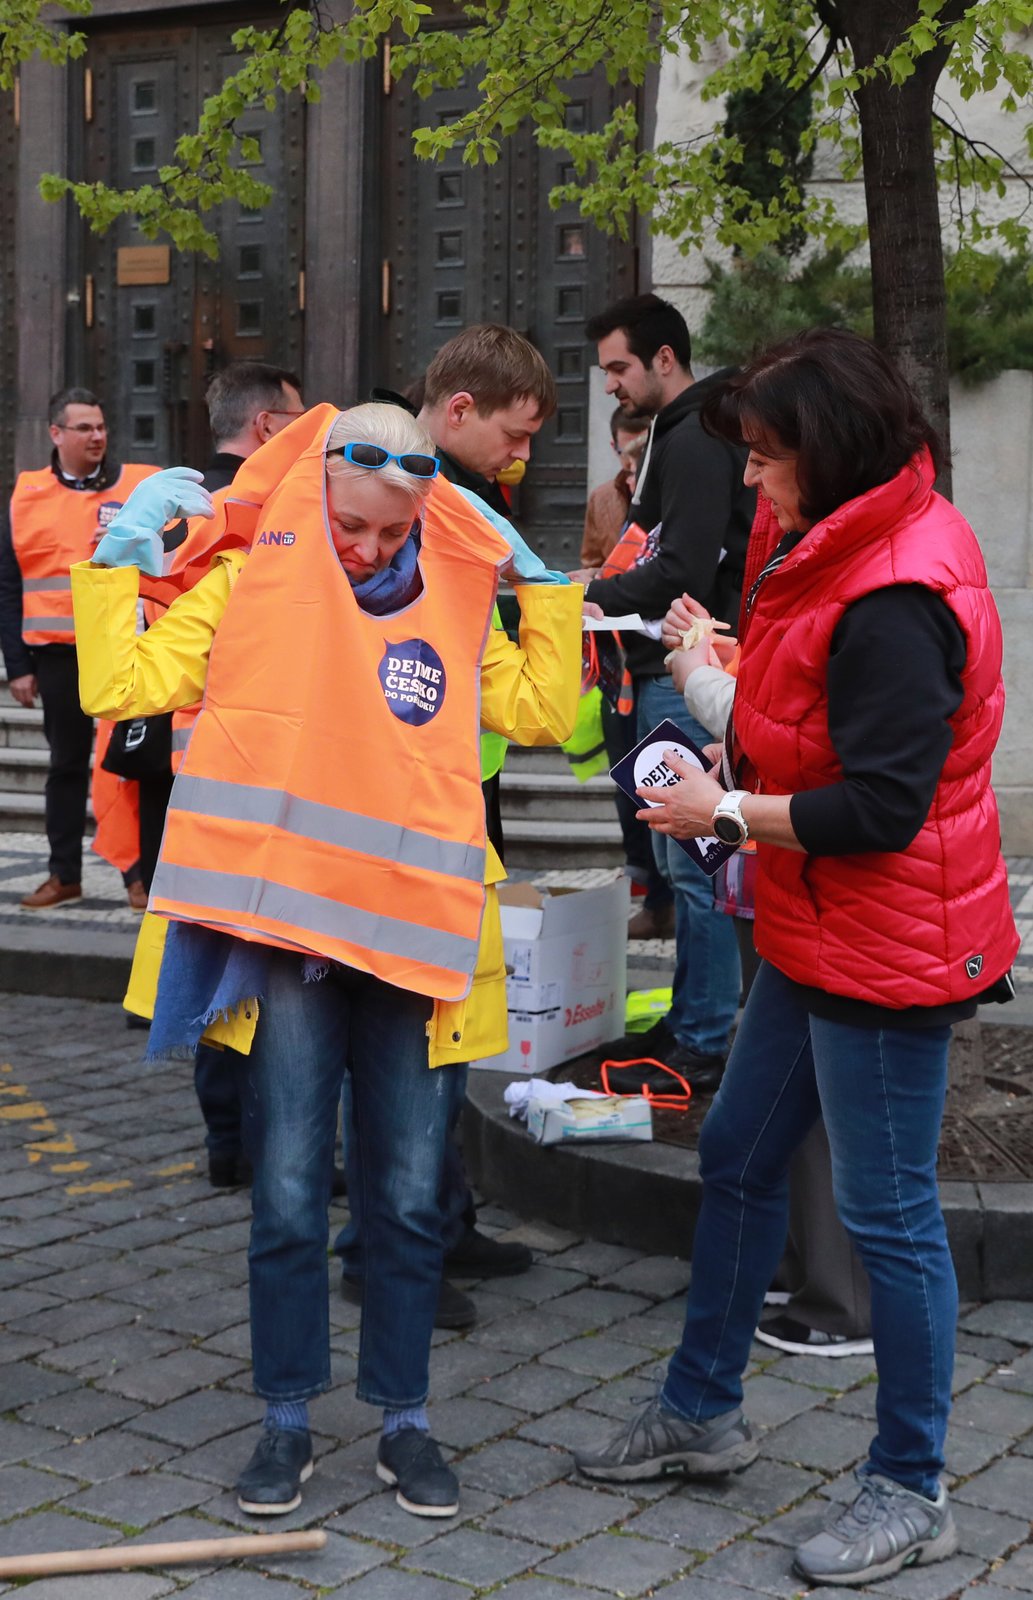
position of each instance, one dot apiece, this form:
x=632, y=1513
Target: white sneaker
x=796, y=1339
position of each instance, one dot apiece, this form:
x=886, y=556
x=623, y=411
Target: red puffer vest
x=923, y=926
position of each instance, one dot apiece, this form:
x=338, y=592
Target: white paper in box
x=566, y=955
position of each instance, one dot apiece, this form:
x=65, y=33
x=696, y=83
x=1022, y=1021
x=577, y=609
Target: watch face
x=728, y=830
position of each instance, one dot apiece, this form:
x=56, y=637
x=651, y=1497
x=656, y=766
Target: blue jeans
x=881, y=1091
x=307, y=1035
x=457, y=1211
x=705, y=988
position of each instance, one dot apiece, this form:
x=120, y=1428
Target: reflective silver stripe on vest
x=181, y=738
x=219, y=895
x=48, y=624
x=34, y=585
x=311, y=819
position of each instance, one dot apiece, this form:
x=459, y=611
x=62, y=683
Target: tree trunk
x=908, y=294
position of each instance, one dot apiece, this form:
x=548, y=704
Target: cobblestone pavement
x=126, y=1408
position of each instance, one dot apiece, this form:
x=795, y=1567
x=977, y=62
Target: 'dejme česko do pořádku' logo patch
x=412, y=676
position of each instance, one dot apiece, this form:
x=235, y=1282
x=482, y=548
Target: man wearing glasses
x=57, y=515
x=248, y=403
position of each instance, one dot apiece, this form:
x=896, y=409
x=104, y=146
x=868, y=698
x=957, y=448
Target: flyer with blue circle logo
x=644, y=767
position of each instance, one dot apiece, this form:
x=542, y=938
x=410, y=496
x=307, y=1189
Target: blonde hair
x=394, y=429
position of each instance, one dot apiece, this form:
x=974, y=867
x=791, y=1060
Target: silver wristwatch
x=728, y=821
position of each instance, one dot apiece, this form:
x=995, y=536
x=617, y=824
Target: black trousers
x=69, y=733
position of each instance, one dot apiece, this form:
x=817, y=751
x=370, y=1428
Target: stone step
x=555, y=797
x=22, y=811
x=21, y=728
x=546, y=845
x=23, y=769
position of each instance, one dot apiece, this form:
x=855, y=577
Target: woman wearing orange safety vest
x=324, y=868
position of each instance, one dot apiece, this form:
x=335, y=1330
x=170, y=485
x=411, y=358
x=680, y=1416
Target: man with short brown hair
x=486, y=394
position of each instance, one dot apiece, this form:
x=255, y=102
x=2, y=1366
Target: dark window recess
x=145, y=95
x=570, y=424
x=144, y=155
x=249, y=261
x=570, y=302
x=450, y=189
x=570, y=365
x=447, y=114
x=144, y=319
x=249, y=316
x=450, y=249
x=143, y=430
x=570, y=240
x=566, y=172
x=248, y=215
x=576, y=117
x=144, y=374
x=450, y=307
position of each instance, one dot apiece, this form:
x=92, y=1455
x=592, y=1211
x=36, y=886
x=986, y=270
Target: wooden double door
x=465, y=244
x=156, y=322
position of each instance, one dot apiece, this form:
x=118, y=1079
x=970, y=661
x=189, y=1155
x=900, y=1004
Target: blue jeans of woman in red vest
x=882, y=1092
x=308, y=1035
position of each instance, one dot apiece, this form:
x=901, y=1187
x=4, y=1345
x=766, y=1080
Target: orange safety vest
x=626, y=553
x=52, y=527
x=330, y=799
x=116, y=807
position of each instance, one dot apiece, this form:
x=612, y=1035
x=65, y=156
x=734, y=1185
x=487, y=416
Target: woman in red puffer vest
x=867, y=707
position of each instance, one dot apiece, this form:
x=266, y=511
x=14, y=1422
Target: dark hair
x=240, y=391
x=59, y=403
x=635, y=422
x=834, y=401
x=494, y=364
x=647, y=322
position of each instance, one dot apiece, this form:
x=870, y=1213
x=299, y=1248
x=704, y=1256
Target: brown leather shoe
x=652, y=924
x=137, y=895
x=52, y=893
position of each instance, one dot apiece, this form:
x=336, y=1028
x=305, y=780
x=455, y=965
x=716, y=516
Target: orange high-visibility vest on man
x=57, y=514
x=52, y=527
x=334, y=806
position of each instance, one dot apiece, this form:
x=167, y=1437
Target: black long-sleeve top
x=692, y=488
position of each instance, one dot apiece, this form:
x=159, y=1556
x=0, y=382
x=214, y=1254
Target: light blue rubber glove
x=133, y=536
x=525, y=567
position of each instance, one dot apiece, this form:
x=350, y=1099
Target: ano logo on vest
x=268, y=537
x=412, y=676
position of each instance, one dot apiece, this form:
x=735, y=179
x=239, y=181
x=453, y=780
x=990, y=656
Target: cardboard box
x=611, y=1116
x=567, y=959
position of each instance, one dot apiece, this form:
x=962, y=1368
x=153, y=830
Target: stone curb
x=77, y=964
x=647, y=1196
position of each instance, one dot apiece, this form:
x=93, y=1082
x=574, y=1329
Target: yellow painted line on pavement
x=173, y=1172
x=101, y=1187
x=17, y=1107
x=64, y=1146
x=23, y=1113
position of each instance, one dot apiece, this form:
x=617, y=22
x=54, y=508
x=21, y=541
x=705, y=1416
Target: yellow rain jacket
x=529, y=693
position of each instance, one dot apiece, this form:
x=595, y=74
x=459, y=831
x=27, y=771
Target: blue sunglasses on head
x=375, y=456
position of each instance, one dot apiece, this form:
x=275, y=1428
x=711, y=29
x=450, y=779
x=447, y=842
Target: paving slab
x=127, y=1404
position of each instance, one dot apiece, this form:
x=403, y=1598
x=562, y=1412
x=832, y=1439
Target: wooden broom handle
x=161, y=1555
